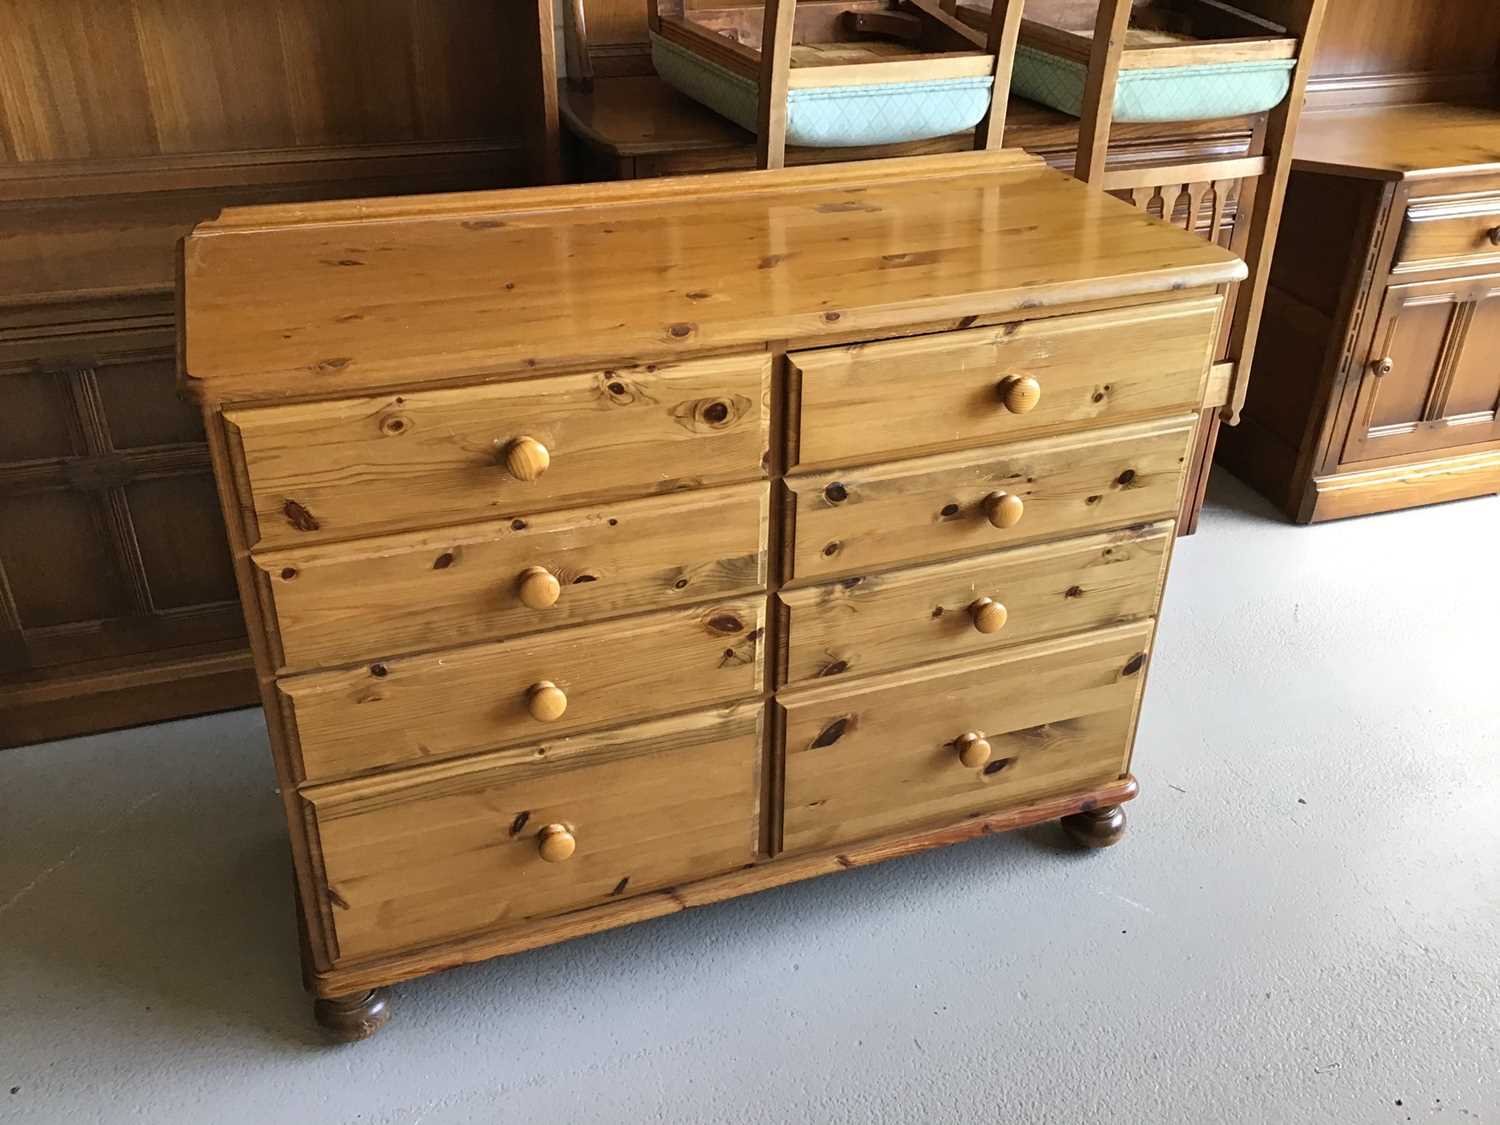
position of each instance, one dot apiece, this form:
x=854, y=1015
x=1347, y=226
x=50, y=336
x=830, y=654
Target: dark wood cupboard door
x=1432, y=378
x=111, y=544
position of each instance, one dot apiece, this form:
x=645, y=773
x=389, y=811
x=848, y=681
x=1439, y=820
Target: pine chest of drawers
x=613, y=550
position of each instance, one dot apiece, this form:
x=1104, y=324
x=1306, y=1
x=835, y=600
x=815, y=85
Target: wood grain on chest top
x=338, y=299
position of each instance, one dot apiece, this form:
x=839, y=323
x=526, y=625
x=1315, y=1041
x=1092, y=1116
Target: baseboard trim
x=93, y=701
x=1401, y=486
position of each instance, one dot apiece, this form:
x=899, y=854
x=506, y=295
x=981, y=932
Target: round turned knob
x=556, y=843
x=1384, y=367
x=546, y=702
x=1020, y=393
x=526, y=458
x=988, y=615
x=539, y=588
x=973, y=749
x=1495, y=236
x=1004, y=509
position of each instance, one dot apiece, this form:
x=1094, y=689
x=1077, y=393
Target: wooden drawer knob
x=526, y=458
x=1004, y=509
x=539, y=588
x=546, y=702
x=973, y=749
x=1020, y=393
x=988, y=615
x=1385, y=366
x=556, y=843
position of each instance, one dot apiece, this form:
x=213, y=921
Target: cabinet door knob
x=539, y=588
x=1495, y=236
x=1385, y=366
x=973, y=749
x=546, y=702
x=556, y=843
x=1004, y=509
x=1020, y=393
x=526, y=458
x=988, y=615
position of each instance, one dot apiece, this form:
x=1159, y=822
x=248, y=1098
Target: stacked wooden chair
x=1146, y=60
x=839, y=73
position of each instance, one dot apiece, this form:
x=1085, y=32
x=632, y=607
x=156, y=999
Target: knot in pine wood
x=832, y=732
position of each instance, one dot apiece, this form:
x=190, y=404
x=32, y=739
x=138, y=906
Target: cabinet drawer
x=911, y=511
x=391, y=462
x=445, y=850
x=884, y=755
x=1450, y=230
x=864, y=401
x=461, y=700
x=335, y=603
x=928, y=613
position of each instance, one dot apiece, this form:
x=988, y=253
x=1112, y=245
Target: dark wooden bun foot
x=1097, y=828
x=348, y=1019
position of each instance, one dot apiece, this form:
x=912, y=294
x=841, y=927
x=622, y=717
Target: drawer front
x=335, y=603
x=910, y=511
x=884, y=756
x=930, y=613
x=1450, y=230
x=865, y=401
x=392, y=462
x=462, y=700
x=438, y=852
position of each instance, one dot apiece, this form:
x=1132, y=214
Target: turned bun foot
x=1096, y=828
x=348, y=1019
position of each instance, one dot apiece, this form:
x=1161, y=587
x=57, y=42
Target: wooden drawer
x=883, y=756
x=1458, y=229
x=468, y=699
x=930, y=613
x=444, y=850
x=855, y=520
x=335, y=603
x=423, y=458
x=860, y=402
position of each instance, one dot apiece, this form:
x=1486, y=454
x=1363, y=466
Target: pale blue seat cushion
x=1179, y=93
x=833, y=116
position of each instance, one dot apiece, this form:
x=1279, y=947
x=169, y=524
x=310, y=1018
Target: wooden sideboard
x=1378, y=386
x=1381, y=385
x=123, y=123
x=613, y=549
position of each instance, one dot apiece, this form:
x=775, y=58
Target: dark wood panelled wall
x=1395, y=45
x=123, y=123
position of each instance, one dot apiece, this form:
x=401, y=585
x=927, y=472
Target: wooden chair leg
x=1099, y=89
x=1004, y=34
x=775, y=76
x=1265, y=215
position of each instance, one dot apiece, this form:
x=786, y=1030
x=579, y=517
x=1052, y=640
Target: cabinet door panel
x=1475, y=387
x=1432, y=379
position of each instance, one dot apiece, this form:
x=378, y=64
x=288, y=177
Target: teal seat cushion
x=833, y=116
x=1180, y=93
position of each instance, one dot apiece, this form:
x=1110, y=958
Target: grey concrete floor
x=1303, y=925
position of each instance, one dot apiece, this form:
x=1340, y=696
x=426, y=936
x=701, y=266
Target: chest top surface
x=334, y=299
